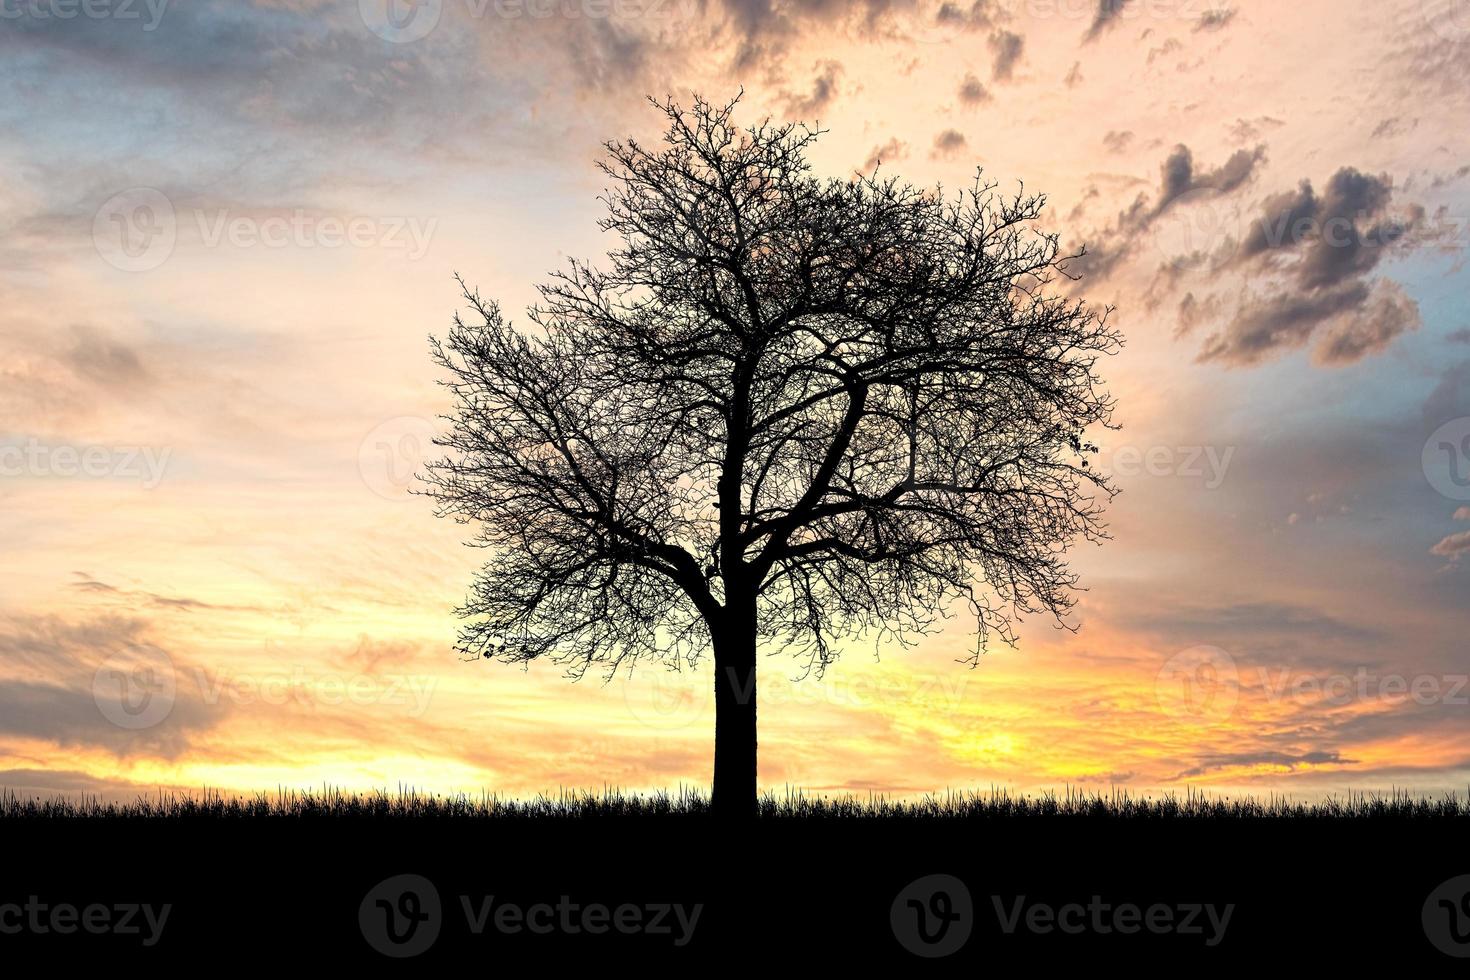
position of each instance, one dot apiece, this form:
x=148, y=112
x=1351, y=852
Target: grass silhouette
x=406, y=804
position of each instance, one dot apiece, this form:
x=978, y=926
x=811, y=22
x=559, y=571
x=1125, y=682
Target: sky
x=227, y=230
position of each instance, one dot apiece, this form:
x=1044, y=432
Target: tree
x=790, y=410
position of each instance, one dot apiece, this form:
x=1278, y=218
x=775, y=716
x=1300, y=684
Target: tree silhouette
x=790, y=410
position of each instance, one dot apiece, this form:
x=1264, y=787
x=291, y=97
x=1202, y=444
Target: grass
x=955, y=807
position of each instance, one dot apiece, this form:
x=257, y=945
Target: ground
x=354, y=881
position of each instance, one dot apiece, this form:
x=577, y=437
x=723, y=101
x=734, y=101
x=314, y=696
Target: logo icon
x=1199, y=229
x=1446, y=917
x=660, y=700
x=1446, y=459
x=400, y=21
x=392, y=454
x=1200, y=682
x=135, y=230
x=135, y=688
x=400, y=916
x=933, y=916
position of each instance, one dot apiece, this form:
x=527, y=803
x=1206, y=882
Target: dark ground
x=1307, y=892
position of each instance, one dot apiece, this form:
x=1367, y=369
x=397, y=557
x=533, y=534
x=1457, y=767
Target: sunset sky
x=227, y=230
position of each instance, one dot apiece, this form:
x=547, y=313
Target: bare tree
x=789, y=411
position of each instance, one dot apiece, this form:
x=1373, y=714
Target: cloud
x=1214, y=20
x=86, y=583
x=948, y=143
x=1007, y=47
x=972, y=91
x=1249, y=623
x=1106, y=15
x=1178, y=178
x=824, y=91
x=1117, y=142
x=1275, y=759
x=977, y=16
x=1323, y=249
x=1453, y=547
x=895, y=149
x=1463, y=514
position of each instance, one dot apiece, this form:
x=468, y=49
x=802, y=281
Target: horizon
x=217, y=384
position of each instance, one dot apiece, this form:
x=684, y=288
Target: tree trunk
x=734, y=793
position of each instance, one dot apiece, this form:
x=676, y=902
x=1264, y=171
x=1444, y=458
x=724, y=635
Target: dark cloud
x=977, y=16
x=894, y=149
x=949, y=142
x=86, y=583
x=1117, y=142
x=1325, y=247
x=1179, y=177
x=1106, y=15
x=1214, y=20
x=1248, y=623
x=97, y=357
x=824, y=90
x=972, y=91
x=70, y=716
x=1007, y=48
x=1266, y=758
